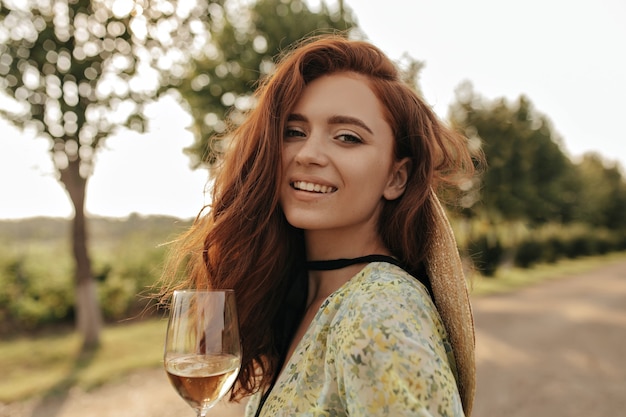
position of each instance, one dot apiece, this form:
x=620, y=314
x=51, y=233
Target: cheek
x=283, y=175
x=286, y=156
x=373, y=174
x=283, y=183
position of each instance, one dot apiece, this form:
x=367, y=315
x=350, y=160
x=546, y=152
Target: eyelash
x=291, y=132
x=348, y=138
x=343, y=137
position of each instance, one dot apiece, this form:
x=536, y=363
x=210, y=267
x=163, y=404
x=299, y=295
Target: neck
x=324, y=245
x=323, y=283
x=335, y=244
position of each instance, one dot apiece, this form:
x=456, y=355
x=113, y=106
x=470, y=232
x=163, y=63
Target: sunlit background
x=567, y=57
x=556, y=349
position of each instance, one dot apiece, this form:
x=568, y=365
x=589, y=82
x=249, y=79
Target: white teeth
x=309, y=186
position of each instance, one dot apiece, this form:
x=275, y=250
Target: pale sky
x=567, y=57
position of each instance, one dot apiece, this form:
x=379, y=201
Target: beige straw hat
x=451, y=297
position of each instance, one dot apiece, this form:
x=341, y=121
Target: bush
x=489, y=242
x=554, y=249
x=36, y=272
x=579, y=246
x=529, y=252
x=130, y=272
x=34, y=291
x=486, y=253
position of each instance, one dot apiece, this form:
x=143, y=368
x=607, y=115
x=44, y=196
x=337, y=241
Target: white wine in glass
x=202, y=346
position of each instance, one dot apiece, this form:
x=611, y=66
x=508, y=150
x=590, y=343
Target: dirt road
x=555, y=349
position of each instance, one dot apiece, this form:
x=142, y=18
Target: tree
x=243, y=42
x=602, y=193
x=78, y=71
x=528, y=176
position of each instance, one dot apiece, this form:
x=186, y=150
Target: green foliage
x=33, y=291
x=528, y=176
x=528, y=253
x=602, y=193
x=243, y=44
x=491, y=244
x=72, y=70
x=129, y=270
x=36, y=270
x=487, y=254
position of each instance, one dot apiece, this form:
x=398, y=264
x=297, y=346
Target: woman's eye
x=348, y=138
x=293, y=133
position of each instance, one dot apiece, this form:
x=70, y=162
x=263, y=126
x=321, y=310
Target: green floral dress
x=376, y=347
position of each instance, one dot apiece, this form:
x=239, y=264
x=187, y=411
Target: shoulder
x=385, y=288
x=384, y=297
x=387, y=344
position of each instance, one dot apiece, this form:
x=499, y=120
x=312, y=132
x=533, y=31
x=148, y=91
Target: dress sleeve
x=390, y=355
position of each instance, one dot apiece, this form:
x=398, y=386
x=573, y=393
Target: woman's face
x=338, y=158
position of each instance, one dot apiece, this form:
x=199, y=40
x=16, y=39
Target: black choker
x=343, y=262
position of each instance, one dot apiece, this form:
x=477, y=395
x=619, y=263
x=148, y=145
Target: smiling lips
x=309, y=186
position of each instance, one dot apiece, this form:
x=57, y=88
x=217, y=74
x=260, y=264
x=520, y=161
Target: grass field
x=508, y=279
x=51, y=364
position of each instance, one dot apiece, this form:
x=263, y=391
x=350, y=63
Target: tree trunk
x=88, y=313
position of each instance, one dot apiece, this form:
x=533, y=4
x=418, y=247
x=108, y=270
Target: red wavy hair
x=243, y=241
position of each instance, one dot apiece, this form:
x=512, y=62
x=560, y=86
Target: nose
x=312, y=151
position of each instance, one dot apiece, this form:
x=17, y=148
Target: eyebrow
x=337, y=119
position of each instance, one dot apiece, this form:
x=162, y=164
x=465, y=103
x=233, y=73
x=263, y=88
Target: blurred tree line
x=81, y=70
x=529, y=177
x=533, y=203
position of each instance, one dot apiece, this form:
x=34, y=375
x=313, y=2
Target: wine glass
x=202, y=347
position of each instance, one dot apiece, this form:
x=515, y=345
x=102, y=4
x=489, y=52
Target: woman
x=325, y=222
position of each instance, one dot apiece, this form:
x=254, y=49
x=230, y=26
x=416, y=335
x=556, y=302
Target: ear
x=398, y=179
